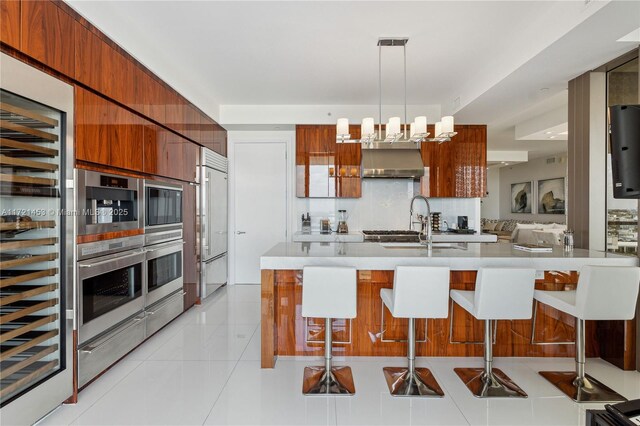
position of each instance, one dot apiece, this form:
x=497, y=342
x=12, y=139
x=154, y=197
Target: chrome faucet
x=425, y=232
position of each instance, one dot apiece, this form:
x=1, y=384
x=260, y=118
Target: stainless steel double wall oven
x=128, y=288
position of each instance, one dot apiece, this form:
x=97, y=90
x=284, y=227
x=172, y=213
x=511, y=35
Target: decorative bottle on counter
x=568, y=240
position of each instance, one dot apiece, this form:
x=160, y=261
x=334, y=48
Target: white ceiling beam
x=507, y=156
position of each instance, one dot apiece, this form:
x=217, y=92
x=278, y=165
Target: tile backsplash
x=384, y=205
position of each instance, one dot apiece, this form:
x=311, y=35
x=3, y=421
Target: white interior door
x=260, y=205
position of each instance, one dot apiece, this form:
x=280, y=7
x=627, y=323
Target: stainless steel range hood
x=391, y=160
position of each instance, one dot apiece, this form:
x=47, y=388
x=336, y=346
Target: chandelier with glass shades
x=395, y=131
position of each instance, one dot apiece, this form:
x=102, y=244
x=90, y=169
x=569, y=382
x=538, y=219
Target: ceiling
x=485, y=61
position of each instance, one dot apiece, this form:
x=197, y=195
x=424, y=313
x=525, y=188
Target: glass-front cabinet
x=35, y=237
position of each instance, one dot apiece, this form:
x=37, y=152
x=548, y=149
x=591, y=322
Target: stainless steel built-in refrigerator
x=36, y=242
x=213, y=222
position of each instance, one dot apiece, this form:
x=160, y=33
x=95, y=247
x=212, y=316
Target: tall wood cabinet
x=324, y=168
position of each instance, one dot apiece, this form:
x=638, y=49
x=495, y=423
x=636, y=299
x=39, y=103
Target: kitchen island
x=374, y=332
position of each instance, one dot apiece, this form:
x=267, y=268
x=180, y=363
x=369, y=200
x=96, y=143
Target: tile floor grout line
x=229, y=377
x=441, y=383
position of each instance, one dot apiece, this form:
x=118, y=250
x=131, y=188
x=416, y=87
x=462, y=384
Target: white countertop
x=351, y=237
x=357, y=237
x=461, y=257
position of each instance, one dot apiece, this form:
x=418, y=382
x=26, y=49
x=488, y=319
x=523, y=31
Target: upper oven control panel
x=101, y=248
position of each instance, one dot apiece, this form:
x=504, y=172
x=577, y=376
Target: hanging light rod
x=417, y=131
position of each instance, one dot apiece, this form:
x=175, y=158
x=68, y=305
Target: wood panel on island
x=335, y=166
x=375, y=332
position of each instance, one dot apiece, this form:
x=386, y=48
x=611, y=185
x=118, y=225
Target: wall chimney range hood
x=392, y=160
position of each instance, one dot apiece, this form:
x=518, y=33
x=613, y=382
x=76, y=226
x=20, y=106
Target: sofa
x=524, y=231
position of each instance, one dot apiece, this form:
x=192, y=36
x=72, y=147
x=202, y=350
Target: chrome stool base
x=590, y=390
x=483, y=385
x=402, y=382
x=339, y=381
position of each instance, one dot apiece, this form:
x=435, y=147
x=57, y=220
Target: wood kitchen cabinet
x=108, y=134
x=457, y=168
x=71, y=48
x=324, y=168
x=10, y=22
x=104, y=69
x=47, y=35
x=169, y=155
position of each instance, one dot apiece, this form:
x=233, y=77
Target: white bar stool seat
x=328, y=292
x=603, y=293
x=418, y=292
x=500, y=293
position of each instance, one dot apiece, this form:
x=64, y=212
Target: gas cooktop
x=394, y=236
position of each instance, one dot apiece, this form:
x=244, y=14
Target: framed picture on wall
x=521, y=198
x=551, y=196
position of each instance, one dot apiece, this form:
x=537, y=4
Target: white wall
x=534, y=170
x=236, y=137
x=491, y=202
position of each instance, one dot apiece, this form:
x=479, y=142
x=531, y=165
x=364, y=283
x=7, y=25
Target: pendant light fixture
x=395, y=131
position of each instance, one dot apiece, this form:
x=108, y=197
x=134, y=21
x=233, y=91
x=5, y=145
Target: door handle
x=240, y=232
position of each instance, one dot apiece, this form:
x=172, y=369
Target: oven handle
x=115, y=333
x=164, y=247
x=102, y=262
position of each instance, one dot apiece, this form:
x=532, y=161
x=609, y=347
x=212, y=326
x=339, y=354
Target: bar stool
x=500, y=293
x=328, y=292
x=603, y=293
x=418, y=292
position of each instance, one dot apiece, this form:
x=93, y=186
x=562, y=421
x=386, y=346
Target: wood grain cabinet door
x=191, y=156
x=457, y=168
x=348, y=167
x=471, y=161
x=47, y=35
x=10, y=22
x=92, y=116
x=324, y=168
x=125, y=139
x=108, y=134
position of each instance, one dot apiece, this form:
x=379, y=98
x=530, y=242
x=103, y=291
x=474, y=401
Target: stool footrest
x=590, y=390
x=497, y=384
x=338, y=381
x=402, y=382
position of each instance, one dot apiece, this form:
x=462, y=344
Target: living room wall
x=490, y=207
x=532, y=171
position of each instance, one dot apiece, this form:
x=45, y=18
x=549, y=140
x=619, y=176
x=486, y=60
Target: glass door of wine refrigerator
x=34, y=283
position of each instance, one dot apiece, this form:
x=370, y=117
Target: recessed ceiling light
x=552, y=137
x=566, y=132
x=547, y=133
x=506, y=164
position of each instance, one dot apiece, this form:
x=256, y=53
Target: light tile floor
x=204, y=369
